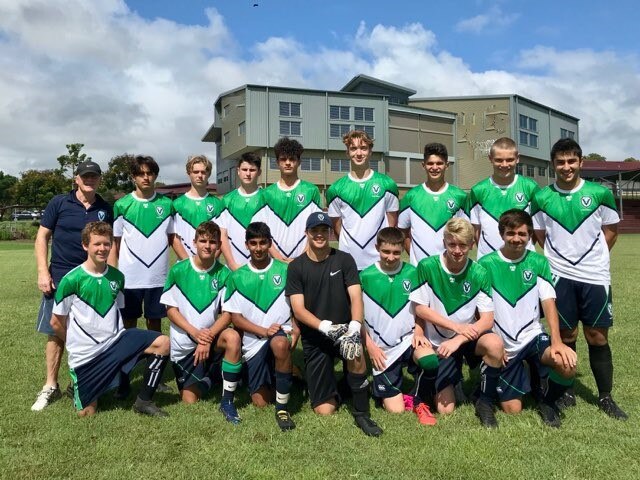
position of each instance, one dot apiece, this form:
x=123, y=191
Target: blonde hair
x=460, y=229
x=504, y=143
x=199, y=159
x=349, y=137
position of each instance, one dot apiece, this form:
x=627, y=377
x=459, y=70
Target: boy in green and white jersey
x=362, y=202
x=87, y=318
x=196, y=205
x=193, y=296
x=502, y=191
x=393, y=338
x=242, y=206
x=426, y=208
x=143, y=230
x=521, y=281
x=291, y=201
x=258, y=306
x=577, y=223
x=451, y=288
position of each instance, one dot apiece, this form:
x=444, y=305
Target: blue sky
x=142, y=76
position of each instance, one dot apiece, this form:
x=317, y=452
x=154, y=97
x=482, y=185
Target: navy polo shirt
x=66, y=216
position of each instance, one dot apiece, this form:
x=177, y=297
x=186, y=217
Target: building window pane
x=533, y=124
x=519, y=169
x=273, y=163
x=523, y=121
x=289, y=109
x=337, y=130
x=242, y=128
x=363, y=113
x=533, y=140
x=531, y=171
x=524, y=138
x=310, y=164
x=340, y=165
x=226, y=137
x=290, y=128
x=365, y=128
x=542, y=171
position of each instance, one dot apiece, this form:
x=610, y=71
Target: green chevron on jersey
x=199, y=288
x=288, y=204
x=145, y=215
x=433, y=208
x=242, y=208
x=517, y=195
x=97, y=292
x=571, y=209
x=351, y=192
x=194, y=211
x=261, y=289
x=383, y=288
x=454, y=291
x=527, y=271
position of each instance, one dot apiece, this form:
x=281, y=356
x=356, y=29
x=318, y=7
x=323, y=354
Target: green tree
x=6, y=188
x=117, y=177
x=70, y=161
x=631, y=159
x=37, y=187
x=595, y=157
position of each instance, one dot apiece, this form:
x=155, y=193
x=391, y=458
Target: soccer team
x=282, y=282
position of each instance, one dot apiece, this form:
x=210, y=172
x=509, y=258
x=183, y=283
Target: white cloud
x=493, y=19
x=99, y=74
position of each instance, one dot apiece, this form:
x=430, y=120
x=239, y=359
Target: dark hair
x=257, y=230
x=437, y=149
x=250, y=158
x=514, y=218
x=96, y=228
x=285, y=147
x=208, y=229
x=390, y=235
x=135, y=167
x=566, y=145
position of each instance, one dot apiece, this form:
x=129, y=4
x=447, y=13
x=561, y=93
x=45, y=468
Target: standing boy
x=241, y=207
x=426, y=208
x=577, y=223
x=393, y=338
x=521, y=281
x=362, y=202
x=290, y=200
x=87, y=318
x=452, y=287
x=193, y=296
x=324, y=290
x=258, y=306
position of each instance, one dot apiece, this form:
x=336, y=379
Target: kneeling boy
x=258, y=306
x=391, y=340
x=520, y=279
x=193, y=296
x=87, y=318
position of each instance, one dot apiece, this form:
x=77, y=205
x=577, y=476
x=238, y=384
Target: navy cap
x=318, y=218
x=88, y=167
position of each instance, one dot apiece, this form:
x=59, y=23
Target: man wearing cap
x=324, y=290
x=62, y=222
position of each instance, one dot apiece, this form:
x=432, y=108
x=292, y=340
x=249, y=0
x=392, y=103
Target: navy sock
x=283, y=389
x=488, y=383
x=152, y=376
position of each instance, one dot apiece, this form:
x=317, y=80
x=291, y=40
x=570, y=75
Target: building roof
x=595, y=169
x=362, y=78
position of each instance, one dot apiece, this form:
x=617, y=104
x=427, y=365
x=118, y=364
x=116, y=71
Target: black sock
x=553, y=387
x=283, y=388
x=359, y=386
x=125, y=383
x=152, y=376
x=488, y=383
x=602, y=367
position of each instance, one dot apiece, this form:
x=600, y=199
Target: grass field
x=195, y=442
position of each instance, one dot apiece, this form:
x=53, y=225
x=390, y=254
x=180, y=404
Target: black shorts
x=101, y=374
x=585, y=302
x=201, y=375
x=261, y=368
x=515, y=381
x=389, y=383
x=134, y=298
x=319, y=358
x=450, y=369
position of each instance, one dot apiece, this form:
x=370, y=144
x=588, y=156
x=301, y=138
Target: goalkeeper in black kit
x=323, y=287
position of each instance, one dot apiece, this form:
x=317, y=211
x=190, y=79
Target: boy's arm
x=392, y=218
x=300, y=312
x=225, y=247
x=377, y=356
x=407, y=239
x=115, y=252
x=568, y=356
x=357, y=304
x=469, y=331
x=59, y=325
x=610, y=234
x=176, y=244
x=337, y=225
x=180, y=321
x=222, y=322
x=540, y=236
x=419, y=338
x=248, y=326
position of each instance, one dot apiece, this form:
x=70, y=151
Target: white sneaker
x=46, y=396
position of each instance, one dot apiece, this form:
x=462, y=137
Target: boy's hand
x=377, y=356
x=449, y=347
x=273, y=329
x=204, y=336
x=420, y=341
x=201, y=354
x=567, y=357
x=468, y=330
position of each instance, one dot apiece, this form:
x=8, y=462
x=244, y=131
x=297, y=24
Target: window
x=524, y=138
x=363, y=113
x=542, y=171
x=524, y=122
x=552, y=173
x=225, y=110
x=529, y=139
x=375, y=165
x=531, y=171
x=533, y=140
x=242, y=128
x=340, y=165
x=338, y=112
x=337, y=130
x=519, y=169
x=289, y=109
x=368, y=129
x=226, y=137
x=273, y=163
x=290, y=128
x=564, y=133
x=310, y=164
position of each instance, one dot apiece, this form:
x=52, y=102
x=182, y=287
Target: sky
x=142, y=76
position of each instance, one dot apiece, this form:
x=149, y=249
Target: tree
x=631, y=159
x=117, y=178
x=6, y=188
x=70, y=161
x=37, y=187
x=595, y=157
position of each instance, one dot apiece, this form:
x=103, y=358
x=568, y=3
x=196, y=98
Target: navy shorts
x=450, y=369
x=43, y=324
x=261, y=367
x=515, y=381
x=202, y=375
x=319, y=358
x=389, y=383
x=134, y=298
x=585, y=302
x=101, y=374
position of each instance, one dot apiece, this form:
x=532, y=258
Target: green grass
x=194, y=442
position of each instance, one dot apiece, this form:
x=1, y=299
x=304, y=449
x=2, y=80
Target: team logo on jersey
x=209, y=208
x=527, y=275
x=586, y=201
x=102, y=215
x=300, y=198
x=214, y=284
x=277, y=280
x=406, y=284
x=159, y=210
x=466, y=286
x=114, y=285
x=520, y=198
x=375, y=189
x=451, y=204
